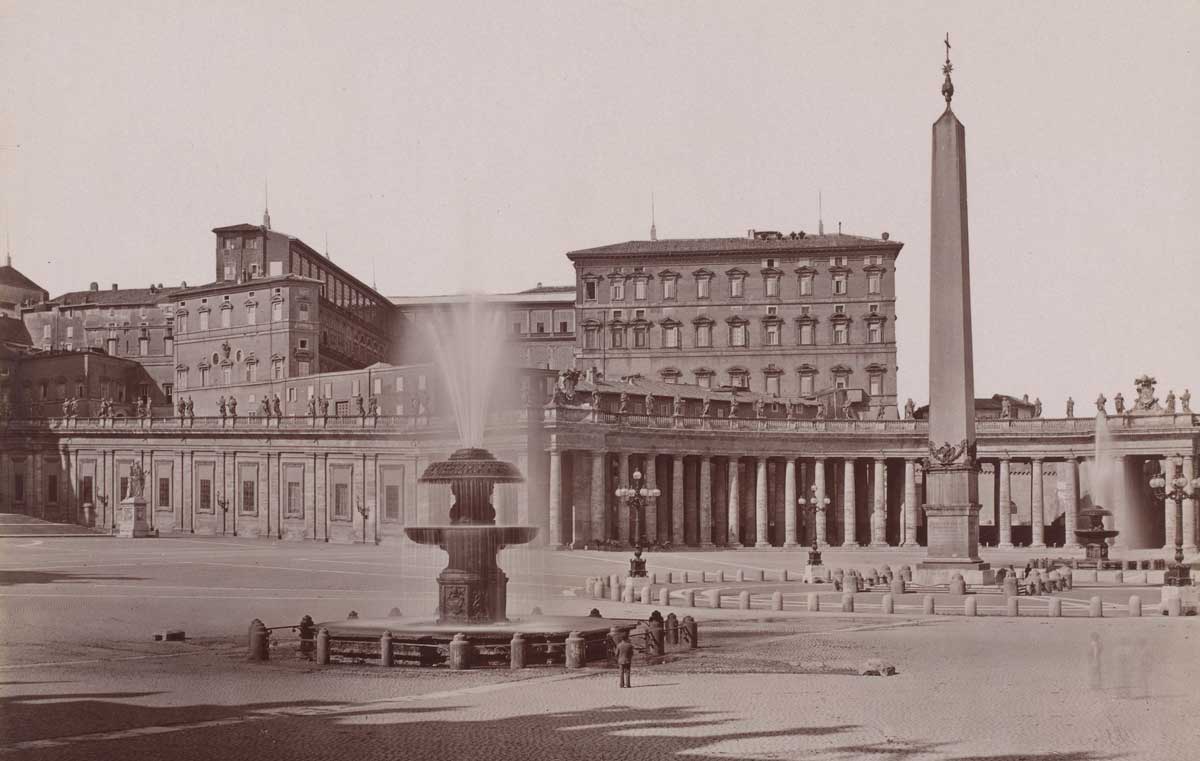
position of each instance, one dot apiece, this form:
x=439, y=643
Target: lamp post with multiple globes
x=1178, y=573
x=811, y=507
x=635, y=496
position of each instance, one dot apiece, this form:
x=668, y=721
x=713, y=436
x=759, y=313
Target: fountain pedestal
x=1093, y=535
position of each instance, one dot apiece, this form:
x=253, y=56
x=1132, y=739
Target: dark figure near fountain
x=1093, y=535
x=472, y=588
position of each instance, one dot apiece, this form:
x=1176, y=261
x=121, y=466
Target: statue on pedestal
x=760, y=409
x=275, y=406
x=1185, y=401
x=1119, y=403
x=221, y=407
x=265, y=406
x=1169, y=402
x=232, y=404
x=312, y=406
x=706, y=407
x=596, y=399
x=623, y=403
x=909, y=408
x=137, y=480
x=677, y=407
x=1037, y=407
x=1146, y=402
x=1070, y=407
x=649, y=402
x=1005, y=408
x=181, y=407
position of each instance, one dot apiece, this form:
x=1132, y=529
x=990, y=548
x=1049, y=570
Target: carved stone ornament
x=949, y=454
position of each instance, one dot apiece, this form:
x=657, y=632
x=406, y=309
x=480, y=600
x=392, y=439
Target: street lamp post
x=1178, y=574
x=811, y=507
x=223, y=503
x=635, y=497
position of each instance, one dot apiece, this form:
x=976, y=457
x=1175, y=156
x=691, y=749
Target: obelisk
x=951, y=480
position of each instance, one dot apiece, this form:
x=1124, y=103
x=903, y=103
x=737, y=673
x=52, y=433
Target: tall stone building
x=790, y=315
x=17, y=290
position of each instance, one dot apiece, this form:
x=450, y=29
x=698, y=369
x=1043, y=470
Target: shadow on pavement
x=13, y=578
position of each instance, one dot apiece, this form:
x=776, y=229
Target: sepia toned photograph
x=599, y=380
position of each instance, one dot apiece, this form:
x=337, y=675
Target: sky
x=445, y=147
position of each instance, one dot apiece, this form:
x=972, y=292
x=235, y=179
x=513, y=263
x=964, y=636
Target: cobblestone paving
x=80, y=679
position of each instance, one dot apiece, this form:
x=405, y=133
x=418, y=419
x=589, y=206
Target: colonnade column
x=879, y=508
x=789, y=503
x=1039, y=510
x=735, y=505
x=651, y=531
x=849, y=533
x=1070, y=518
x=555, y=503
x=706, y=506
x=760, y=504
x=1120, y=518
x=822, y=519
x=1168, y=467
x=599, y=498
x=1005, y=500
x=1189, y=507
x=910, y=504
x=622, y=507
x=677, y=501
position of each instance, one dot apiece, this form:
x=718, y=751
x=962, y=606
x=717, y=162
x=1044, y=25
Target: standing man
x=625, y=658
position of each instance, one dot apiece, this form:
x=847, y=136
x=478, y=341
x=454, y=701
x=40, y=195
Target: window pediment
x=874, y=317
x=590, y=324
x=807, y=369
x=670, y=322
x=225, y=305
x=703, y=320
x=840, y=319
x=806, y=319
x=703, y=273
x=806, y=271
x=772, y=369
x=591, y=277
x=841, y=370
x=737, y=320
x=736, y=272
x=879, y=268
x=772, y=319
x=876, y=369
x=614, y=276
x=669, y=275
x=771, y=272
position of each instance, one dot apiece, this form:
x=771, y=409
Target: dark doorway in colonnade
x=895, y=501
x=864, y=498
x=1146, y=525
x=1055, y=531
x=566, y=499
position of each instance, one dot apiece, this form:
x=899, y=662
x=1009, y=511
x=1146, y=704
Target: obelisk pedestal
x=951, y=480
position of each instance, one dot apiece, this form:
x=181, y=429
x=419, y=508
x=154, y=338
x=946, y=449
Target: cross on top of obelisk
x=947, y=85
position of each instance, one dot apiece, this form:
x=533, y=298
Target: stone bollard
x=517, y=650
x=654, y=577
x=323, y=647
x=1055, y=607
x=308, y=635
x=957, y=585
x=851, y=581
x=870, y=577
x=741, y=575
x=744, y=601
x=897, y=586
x=1119, y=577
x=646, y=595
x=460, y=652
x=906, y=573
x=970, y=607
x=672, y=629
x=627, y=592
x=654, y=638
x=1010, y=586
x=783, y=574
x=1135, y=606
x=614, y=592
x=847, y=602
x=887, y=604
x=1013, y=606
x=1095, y=608
x=664, y=597
x=838, y=575
x=575, y=653
x=714, y=598
x=757, y=575
x=777, y=601
x=814, y=602
x=927, y=605
x=1174, y=607
x=258, y=640
x=1069, y=578
x=691, y=632
x=385, y=649
x=614, y=581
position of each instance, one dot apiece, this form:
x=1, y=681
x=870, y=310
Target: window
x=248, y=494
x=294, y=502
x=164, y=492
x=303, y=343
x=251, y=314
x=303, y=311
x=668, y=286
x=168, y=344
x=124, y=487
x=737, y=287
x=252, y=372
x=618, y=338
x=806, y=384
x=772, y=335
x=203, y=377
x=46, y=331
x=70, y=331
x=591, y=337
x=18, y=487
x=806, y=334
x=702, y=288
x=181, y=323
x=739, y=379
x=206, y=500
x=839, y=308
x=875, y=333
x=617, y=290
x=52, y=488
x=873, y=281
x=227, y=375
x=168, y=392
x=341, y=500
x=377, y=386
x=841, y=381
x=704, y=336
x=873, y=308
x=639, y=337
x=839, y=285
x=876, y=385
x=704, y=381
x=773, y=285
x=589, y=290
x=277, y=311
x=391, y=502
x=639, y=289
x=277, y=369
x=204, y=320
x=86, y=490
x=671, y=336
x=399, y=382
x=562, y=327
x=737, y=335
x=230, y=272
x=773, y=385
x=840, y=334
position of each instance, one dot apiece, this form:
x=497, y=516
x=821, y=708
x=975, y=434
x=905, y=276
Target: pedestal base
x=1189, y=597
x=131, y=519
x=934, y=574
x=815, y=573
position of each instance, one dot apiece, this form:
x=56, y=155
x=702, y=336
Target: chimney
x=114, y=286
x=750, y=233
x=94, y=286
x=886, y=235
x=183, y=284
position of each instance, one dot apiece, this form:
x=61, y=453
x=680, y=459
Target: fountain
x=472, y=588
x=1094, y=536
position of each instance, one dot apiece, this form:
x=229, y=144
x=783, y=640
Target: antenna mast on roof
x=820, y=211
x=266, y=206
x=653, y=228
